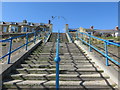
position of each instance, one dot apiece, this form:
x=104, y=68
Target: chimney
x=49, y=21
x=51, y=27
x=117, y=28
x=92, y=27
x=66, y=27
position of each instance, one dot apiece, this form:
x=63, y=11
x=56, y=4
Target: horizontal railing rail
x=10, y=51
x=106, y=43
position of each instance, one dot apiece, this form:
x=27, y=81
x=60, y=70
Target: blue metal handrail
x=10, y=51
x=47, y=35
x=106, y=42
x=57, y=60
x=70, y=36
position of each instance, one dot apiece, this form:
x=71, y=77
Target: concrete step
x=53, y=70
x=62, y=61
x=52, y=57
x=62, y=77
x=76, y=71
x=53, y=66
x=37, y=59
x=36, y=66
x=101, y=84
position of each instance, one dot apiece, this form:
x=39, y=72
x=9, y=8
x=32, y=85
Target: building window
x=14, y=29
x=33, y=30
x=44, y=29
x=4, y=29
x=25, y=29
x=41, y=29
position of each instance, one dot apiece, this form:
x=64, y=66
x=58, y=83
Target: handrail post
x=10, y=47
x=57, y=60
x=34, y=37
x=70, y=36
x=39, y=34
x=82, y=37
x=26, y=41
x=90, y=49
x=106, y=52
x=77, y=35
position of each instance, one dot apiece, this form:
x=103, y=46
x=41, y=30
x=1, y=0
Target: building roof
x=26, y=24
x=99, y=30
x=106, y=30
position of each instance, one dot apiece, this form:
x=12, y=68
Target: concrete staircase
x=76, y=70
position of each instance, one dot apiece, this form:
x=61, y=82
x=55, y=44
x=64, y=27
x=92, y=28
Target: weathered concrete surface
x=48, y=38
x=113, y=73
x=70, y=41
x=76, y=70
x=37, y=71
x=6, y=68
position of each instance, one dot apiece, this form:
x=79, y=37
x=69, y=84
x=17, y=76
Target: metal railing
x=57, y=60
x=106, y=43
x=69, y=34
x=46, y=36
x=10, y=40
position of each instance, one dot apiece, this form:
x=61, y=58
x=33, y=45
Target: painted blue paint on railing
x=10, y=51
x=46, y=36
x=57, y=60
x=70, y=36
x=10, y=47
x=106, y=42
x=106, y=53
x=26, y=41
x=113, y=43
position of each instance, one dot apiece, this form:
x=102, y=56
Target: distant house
x=109, y=31
x=85, y=30
x=19, y=27
x=112, y=32
x=117, y=34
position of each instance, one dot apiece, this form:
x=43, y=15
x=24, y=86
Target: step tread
x=80, y=69
x=38, y=82
x=63, y=75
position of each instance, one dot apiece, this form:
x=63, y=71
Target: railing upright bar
x=34, y=37
x=10, y=51
x=90, y=49
x=106, y=43
x=57, y=60
x=26, y=41
x=10, y=48
x=77, y=35
x=106, y=52
x=39, y=35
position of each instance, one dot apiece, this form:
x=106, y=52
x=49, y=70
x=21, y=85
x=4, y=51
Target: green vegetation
x=112, y=38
